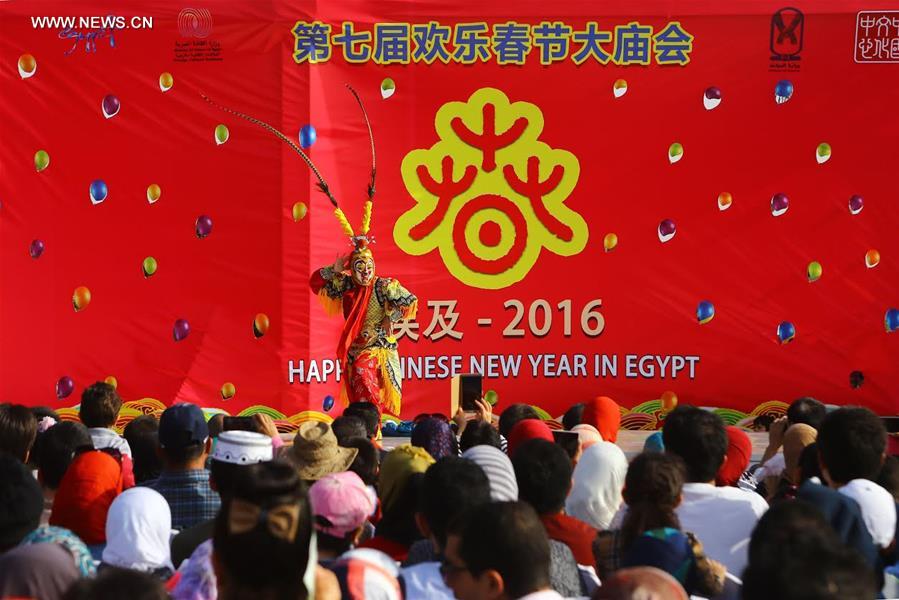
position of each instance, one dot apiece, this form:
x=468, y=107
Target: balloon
x=872, y=258
x=153, y=193
x=705, y=312
x=725, y=199
x=619, y=88
x=390, y=428
x=260, y=325
x=221, y=134
x=491, y=397
x=669, y=401
x=779, y=204
x=891, y=320
x=149, y=266
x=81, y=298
x=112, y=381
x=856, y=379
x=299, y=211
x=110, y=106
x=388, y=88
x=711, y=98
x=328, y=403
x=36, y=249
x=822, y=154
x=181, y=330
x=610, y=242
x=308, y=136
x=675, y=152
x=786, y=332
x=856, y=204
x=27, y=66
x=203, y=226
x=667, y=229
x=814, y=271
x=41, y=160
x=98, y=191
x=783, y=91
x=166, y=81
x=228, y=390
x=64, y=387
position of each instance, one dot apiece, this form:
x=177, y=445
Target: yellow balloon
x=299, y=211
x=228, y=391
x=610, y=242
x=166, y=81
x=153, y=193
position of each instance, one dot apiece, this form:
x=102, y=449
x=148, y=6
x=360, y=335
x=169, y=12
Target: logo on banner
x=195, y=24
x=490, y=196
x=785, y=43
x=877, y=36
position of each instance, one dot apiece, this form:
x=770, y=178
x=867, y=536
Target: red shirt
x=575, y=534
x=394, y=550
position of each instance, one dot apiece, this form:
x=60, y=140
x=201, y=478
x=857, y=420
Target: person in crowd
x=654, y=443
x=43, y=571
x=115, y=583
x=46, y=418
x=99, y=410
x=18, y=428
x=450, y=487
x=722, y=517
x=795, y=440
x=366, y=574
x=316, y=453
x=436, y=436
x=889, y=476
x=604, y=414
x=499, y=470
x=479, y=433
x=512, y=415
x=142, y=435
x=805, y=410
x=138, y=528
x=587, y=436
x=184, y=444
x=650, y=535
x=398, y=489
x=58, y=448
x=262, y=546
x=78, y=550
x=370, y=415
x=341, y=504
x=573, y=416
x=543, y=472
x=498, y=550
x=736, y=458
x=528, y=429
x=598, y=478
x=640, y=583
x=21, y=502
x=347, y=427
x=367, y=462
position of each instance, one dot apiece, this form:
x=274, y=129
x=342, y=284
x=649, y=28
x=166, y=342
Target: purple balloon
x=667, y=229
x=64, y=387
x=856, y=204
x=36, y=249
x=713, y=93
x=203, y=226
x=111, y=106
x=779, y=204
x=181, y=330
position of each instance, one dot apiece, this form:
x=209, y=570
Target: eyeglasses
x=447, y=569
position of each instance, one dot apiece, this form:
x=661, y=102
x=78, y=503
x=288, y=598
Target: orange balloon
x=260, y=325
x=81, y=298
x=669, y=401
x=872, y=258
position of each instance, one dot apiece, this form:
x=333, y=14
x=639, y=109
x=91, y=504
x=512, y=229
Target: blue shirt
x=190, y=498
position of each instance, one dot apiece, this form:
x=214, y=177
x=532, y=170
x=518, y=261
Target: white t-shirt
x=723, y=519
x=424, y=581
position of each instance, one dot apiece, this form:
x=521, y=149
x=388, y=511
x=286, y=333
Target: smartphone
x=240, y=424
x=569, y=440
x=466, y=390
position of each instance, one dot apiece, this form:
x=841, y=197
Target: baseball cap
x=182, y=425
x=340, y=503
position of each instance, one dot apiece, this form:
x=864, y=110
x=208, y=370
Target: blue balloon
x=328, y=403
x=783, y=91
x=786, y=331
x=405, y=428
x=705, y=311
x=99, y=191
x=891, y=320
x=307, y=136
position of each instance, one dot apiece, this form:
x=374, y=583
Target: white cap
x=242, y=447
x=878, y=509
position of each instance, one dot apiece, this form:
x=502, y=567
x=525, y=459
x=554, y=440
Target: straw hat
x=315, y=452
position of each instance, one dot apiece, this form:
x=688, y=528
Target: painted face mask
x=363, y=266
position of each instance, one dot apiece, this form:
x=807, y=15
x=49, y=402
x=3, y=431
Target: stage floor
x=629, y=441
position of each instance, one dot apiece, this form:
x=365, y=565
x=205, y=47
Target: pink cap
x=343, y=500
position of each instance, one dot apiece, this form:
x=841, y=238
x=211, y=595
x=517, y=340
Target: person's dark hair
x=256, y=563
x=18, y=428
x=851, y=443
x=333, y=544
x=652, y=491
x=113, y=583
x=222, y=475
x=699, y=438
x=451, y=486
x=479, y=433
x=21, y=502
x=100, y=405
x=398, y=524
x=512, y=415
x=179, y=457
x=572, y=416
x=347, y=427
x=40, y=412
x=368, y=412
x=806, y=410
x=889, y=476
x=509, y=538
x=143, y=438
x=57, y=448
x=793, y=553
x=809, y=466
x=366, y=464
x=543, y=470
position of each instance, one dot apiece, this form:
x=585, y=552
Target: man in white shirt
x=722, y=518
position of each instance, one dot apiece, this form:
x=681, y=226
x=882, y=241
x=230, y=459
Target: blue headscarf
x=50, y=534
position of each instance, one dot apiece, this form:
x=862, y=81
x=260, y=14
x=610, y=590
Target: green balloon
x=149, y=267
x=221, y=134
x=41, y=160
x=814, y=271
x=491, y=397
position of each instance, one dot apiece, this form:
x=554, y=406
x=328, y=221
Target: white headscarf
x=598, y=480
x=138, y=529
x=878, y=509
x=499, y=471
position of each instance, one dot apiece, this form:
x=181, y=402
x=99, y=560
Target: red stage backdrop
x=571, y=194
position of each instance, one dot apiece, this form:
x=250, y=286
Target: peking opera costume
x=370, y=304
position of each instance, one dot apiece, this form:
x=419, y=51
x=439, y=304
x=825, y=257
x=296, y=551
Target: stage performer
x=370, y=304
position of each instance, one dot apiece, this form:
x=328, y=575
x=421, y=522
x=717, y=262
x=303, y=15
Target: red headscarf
x=90, y=484
x=528, y=429
x=604, y=414
x=739, y=451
